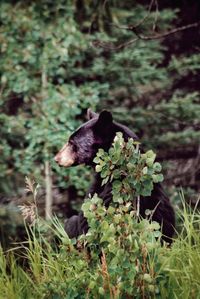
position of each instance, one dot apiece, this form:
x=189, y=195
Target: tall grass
x=183, y=262
x=62, y=271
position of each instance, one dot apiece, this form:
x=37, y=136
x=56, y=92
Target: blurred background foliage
x=51, y=73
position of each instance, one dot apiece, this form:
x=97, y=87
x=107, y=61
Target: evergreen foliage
x=50, y=74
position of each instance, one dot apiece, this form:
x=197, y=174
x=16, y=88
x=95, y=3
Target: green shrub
x=119, y=257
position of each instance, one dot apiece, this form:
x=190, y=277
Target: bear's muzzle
x=65, y=157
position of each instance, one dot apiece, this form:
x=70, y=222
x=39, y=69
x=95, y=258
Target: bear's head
x=83, y=144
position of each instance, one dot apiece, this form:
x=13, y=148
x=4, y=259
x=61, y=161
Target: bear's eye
x=73, y=145
x=71, y=142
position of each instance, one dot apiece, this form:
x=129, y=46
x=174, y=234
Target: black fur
x=99, y=132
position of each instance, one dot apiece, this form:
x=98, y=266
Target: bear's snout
x=56, y=158
x=65, y=157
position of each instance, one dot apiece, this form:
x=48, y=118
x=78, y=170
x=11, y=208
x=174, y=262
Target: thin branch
x=110, y=46
x=104, y=5
x=145, y=17
x=141, y=21
x=165, y=34
x=156, y=16
x=138, y=206
x=49, y=195
x=131, y=27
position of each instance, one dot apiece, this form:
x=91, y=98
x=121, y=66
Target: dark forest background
x=59, y=58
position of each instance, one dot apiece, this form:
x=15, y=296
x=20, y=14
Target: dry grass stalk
x=29, y=213
x=106, y=278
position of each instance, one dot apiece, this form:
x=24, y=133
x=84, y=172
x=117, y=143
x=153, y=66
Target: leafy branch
x=111, y=46
x=140, y=36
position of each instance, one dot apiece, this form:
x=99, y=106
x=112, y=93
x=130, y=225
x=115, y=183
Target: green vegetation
x=138, y=170
x=119, y=257
x=50, y=74
x=71, y=273
x=57, y=59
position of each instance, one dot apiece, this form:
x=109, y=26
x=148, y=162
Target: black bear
x=82, y=146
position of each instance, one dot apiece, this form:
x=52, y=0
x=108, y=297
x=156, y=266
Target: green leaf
x=157, y=178
x=148, y=212
x=98, y=168
x=104, y=181
x=105, y=225
x=117, y=185
x=96, y=160
x=101, y=291
x=145, y=170
x=147, y=277
x=157, y=167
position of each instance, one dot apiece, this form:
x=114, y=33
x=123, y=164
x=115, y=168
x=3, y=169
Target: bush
x=118, y=257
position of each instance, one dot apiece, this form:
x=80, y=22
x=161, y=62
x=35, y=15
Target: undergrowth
x=69, y=271
x=119, y=257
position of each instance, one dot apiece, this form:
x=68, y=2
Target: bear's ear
x=105, y=118
x=91, y=114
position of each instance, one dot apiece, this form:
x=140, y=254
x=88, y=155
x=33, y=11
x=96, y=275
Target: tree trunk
x=49, y=197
